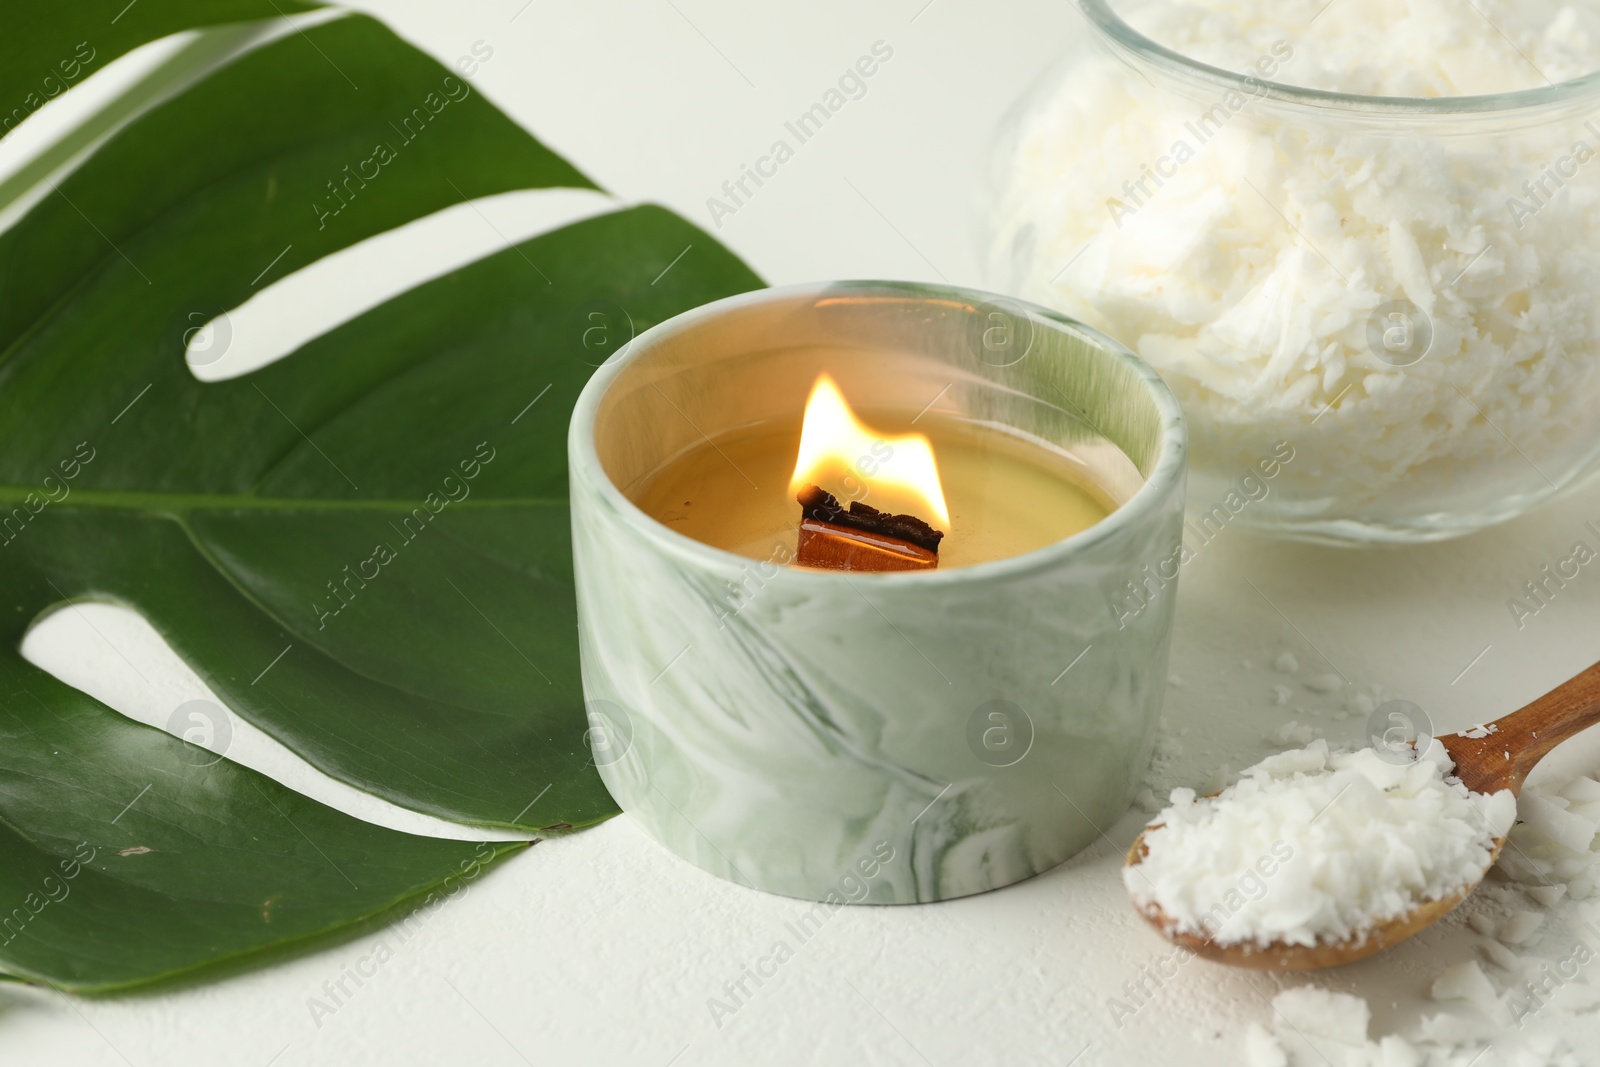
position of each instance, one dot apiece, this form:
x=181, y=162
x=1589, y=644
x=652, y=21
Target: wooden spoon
x=1501, y=759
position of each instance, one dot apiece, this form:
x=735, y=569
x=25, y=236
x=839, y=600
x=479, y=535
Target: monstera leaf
x=362, y=548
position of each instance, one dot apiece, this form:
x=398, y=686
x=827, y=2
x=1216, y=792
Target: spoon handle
x=1529, y=734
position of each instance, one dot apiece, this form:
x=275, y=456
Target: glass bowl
x=1378, y=313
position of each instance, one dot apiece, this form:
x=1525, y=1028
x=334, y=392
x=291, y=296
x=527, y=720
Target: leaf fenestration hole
x=287, y=311
x=112, y=653
x=84, y=95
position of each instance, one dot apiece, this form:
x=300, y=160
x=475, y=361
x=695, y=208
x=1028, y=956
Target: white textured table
x=603, y=949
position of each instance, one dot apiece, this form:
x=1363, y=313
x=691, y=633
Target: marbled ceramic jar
x=886, y=738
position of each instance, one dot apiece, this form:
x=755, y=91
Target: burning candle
x=911, y=735
x=992, y=493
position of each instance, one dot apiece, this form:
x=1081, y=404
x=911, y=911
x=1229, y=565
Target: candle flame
x=834, y=442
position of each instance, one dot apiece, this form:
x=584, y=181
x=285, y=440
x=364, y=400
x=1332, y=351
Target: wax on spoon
x=1497, y=757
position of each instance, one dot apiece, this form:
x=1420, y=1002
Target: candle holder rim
x=1167, y=468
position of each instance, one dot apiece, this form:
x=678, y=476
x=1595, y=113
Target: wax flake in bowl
x=1311, y=845
x=1417, y=48
x=1380, y=323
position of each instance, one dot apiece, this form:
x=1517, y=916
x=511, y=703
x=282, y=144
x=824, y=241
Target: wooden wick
x=862, y=538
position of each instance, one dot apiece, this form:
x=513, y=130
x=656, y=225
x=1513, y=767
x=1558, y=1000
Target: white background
x=603, y=949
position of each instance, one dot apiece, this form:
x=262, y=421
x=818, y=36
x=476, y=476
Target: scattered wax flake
x=1587, y=809
x=1575, y=997
x=1321, y=1013
x=1521, y=867
x=1547, y=895
x=1455, y=1030
x=1519, y=926
x=1480, y=730
x=1395, y=1051
x=1465, y=981
x=1285, y=663
x=1581, y=789
x=1542, y=815
x=1281, y=694
x=1544, y=1051
x=1501, y=956
x=1261, y=1049
x=1324, y=683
